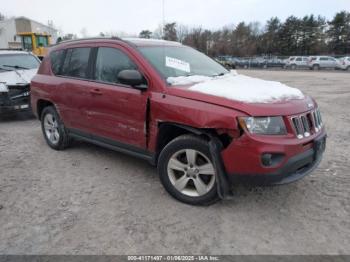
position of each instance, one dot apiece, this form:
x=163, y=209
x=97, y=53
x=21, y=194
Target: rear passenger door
x=116, y=112
x=332, y=62
x=305, y=61
x=74, y=88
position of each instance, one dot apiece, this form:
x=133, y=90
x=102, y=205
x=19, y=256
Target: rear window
x=56, y=61
x=76, y=62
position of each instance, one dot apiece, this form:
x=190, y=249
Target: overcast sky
x=134, y=15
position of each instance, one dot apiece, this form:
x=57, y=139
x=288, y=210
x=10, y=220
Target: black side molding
x=113, y=145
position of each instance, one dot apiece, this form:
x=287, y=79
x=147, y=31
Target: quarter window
x=109, y=63
x=56, y=61
x=76, y=63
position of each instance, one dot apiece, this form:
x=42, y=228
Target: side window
x=323, y=59
x=27, y=43
x=109, y=62
x=76, y=62
x=56, y=61
x=298, y=59
x=305, y=59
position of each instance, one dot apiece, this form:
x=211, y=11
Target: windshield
x=18, y=61
x=171, y=61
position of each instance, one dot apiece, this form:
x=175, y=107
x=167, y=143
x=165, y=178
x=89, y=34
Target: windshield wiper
x=16, y=66
x=221, y=74
x=5, y=69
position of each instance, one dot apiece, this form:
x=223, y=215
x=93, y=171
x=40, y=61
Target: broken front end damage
x=217, y=123
x=14, y=98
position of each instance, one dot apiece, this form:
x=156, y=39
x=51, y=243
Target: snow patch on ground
x=239, y=88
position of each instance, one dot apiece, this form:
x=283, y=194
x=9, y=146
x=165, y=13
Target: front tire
x=53, y=129
x=187, y=172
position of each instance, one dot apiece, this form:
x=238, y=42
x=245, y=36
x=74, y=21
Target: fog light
x=266, y=159
x=271, y=159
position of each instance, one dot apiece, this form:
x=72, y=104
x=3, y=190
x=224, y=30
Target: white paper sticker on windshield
x=177, y=64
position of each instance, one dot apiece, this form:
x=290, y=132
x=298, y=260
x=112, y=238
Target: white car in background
x=321, y=62
x=344, y=63
x=17, y=68
x=295, y=62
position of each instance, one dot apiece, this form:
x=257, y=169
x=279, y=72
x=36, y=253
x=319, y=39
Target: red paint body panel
x=120, y=113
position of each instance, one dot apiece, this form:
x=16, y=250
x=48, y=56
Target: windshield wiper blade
x=220, y=74
x=5, y=69
x=16, y=66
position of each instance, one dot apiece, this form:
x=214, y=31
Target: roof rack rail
x=90, y=38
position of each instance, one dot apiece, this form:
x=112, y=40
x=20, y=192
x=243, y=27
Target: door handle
x=96, y=91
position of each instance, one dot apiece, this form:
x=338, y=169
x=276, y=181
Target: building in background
x=11, y=28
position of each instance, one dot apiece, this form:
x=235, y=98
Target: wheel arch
x=168, y=131
x=40, y=105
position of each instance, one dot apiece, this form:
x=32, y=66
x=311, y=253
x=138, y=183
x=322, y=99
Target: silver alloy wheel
x=51, y=128
x=191, y=172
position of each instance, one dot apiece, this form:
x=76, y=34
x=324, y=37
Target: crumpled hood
x=18, y=77
x=250, y=95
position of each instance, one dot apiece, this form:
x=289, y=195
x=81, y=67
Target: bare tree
x=170, y=32
x=2, y=17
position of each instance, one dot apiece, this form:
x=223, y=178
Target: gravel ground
x=89, y=200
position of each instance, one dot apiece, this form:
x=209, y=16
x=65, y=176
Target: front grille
x=16, y=95
x=306, y=124
x=18, y=92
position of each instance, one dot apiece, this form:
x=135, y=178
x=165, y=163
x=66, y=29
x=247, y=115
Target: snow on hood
x=17, y=77
x=239, y=88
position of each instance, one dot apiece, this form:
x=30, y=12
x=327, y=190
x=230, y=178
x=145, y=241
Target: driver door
x=116, y=112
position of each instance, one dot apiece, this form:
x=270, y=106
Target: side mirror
x=132, y=78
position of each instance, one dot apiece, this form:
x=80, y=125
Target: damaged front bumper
x=16, y=99
x=296, y=168
x=297, y=162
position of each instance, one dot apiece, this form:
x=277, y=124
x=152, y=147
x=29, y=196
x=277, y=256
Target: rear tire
x=53, y=129
x=187, y=172
x=316, y=67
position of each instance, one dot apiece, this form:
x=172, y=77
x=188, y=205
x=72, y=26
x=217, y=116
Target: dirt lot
x=89, y=200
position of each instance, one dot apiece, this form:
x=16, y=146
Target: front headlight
x=3, y=88
x=264, y=125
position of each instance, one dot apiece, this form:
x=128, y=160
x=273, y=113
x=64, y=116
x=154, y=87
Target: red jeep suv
x=204, y=127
